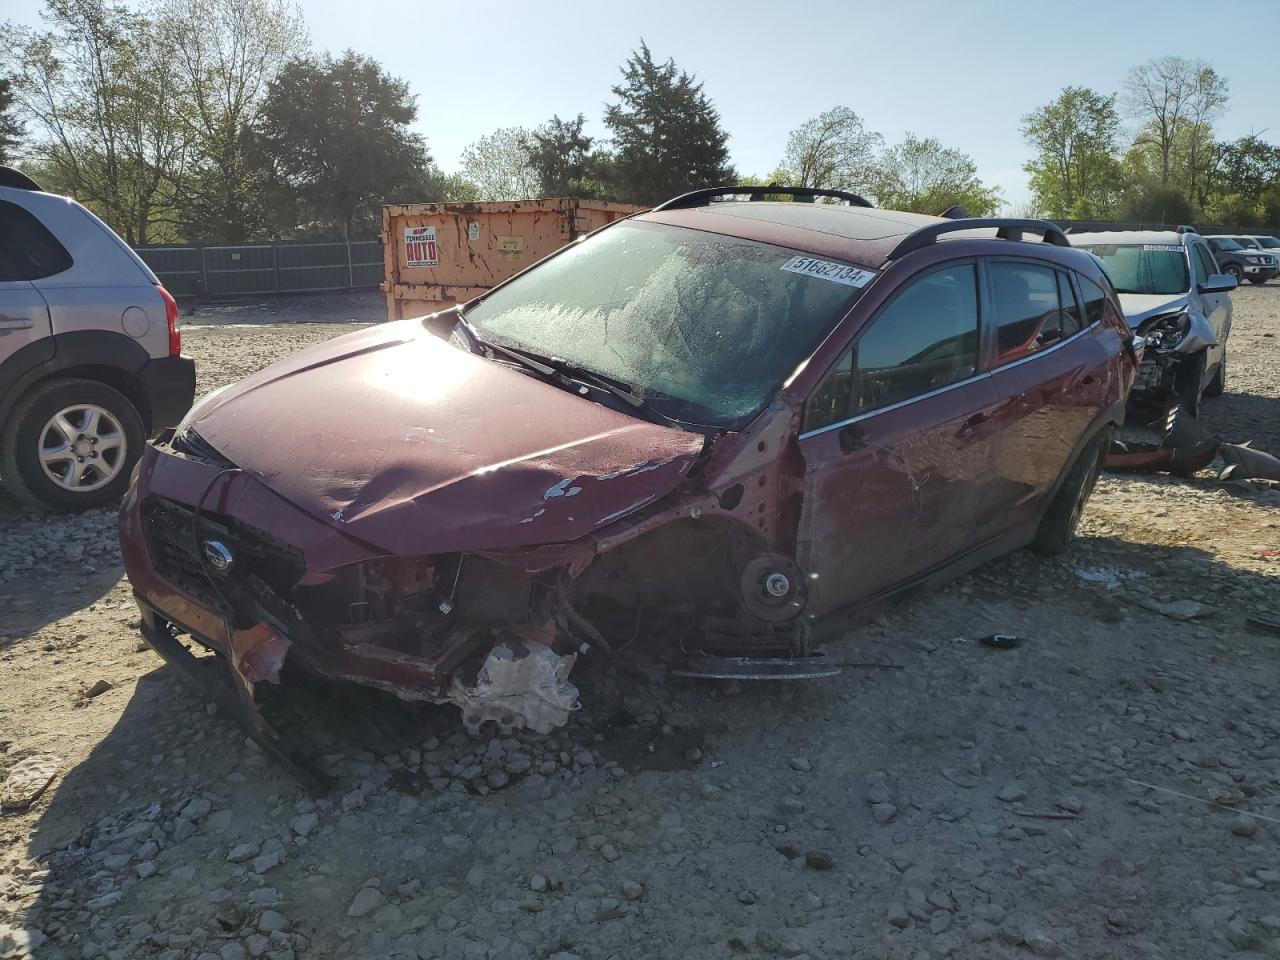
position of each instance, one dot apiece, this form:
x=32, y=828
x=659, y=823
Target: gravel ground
x=1108, y=788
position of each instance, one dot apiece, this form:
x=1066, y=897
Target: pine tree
x=667, y=137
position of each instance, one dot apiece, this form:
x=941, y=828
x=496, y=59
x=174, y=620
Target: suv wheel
x=1058, y=526
x=1219, y=382
x=71, y=445
x=1234, y=270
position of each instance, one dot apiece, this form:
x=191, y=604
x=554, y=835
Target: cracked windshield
x=706, y=326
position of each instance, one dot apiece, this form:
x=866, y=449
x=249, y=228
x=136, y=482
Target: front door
x=896, y=443
x=1216, y=307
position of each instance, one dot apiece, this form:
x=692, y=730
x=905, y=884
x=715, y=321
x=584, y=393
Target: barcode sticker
x=827, y=270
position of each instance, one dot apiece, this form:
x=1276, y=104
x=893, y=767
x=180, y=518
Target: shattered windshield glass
x=1156, y=268
x=705, y=327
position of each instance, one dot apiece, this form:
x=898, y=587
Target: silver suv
x=90, y=354
x=1177, y=298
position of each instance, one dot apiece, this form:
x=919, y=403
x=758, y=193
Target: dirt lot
x=1109, y=788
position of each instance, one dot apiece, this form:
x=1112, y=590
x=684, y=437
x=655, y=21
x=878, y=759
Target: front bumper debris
x=230, y=695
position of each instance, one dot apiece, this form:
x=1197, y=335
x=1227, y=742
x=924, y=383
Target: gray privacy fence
x=285, y=266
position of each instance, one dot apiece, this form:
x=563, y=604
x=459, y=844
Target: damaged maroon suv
x=693, y=432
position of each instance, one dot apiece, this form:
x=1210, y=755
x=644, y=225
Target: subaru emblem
x=218, y=556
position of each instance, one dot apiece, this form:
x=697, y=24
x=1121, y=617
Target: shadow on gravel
x=167, y=749
x=1240, y=417
x=59, y=587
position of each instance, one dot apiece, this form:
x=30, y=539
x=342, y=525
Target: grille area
x=174, y=542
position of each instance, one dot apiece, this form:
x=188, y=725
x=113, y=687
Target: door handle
x=970, y=426
x=851, y=437
x=15, y=323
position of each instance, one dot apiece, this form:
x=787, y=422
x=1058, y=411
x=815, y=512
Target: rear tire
x=1058, y=525
x=1219, y=382
x=71, y=444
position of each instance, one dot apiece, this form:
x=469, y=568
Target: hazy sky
x=964, y=71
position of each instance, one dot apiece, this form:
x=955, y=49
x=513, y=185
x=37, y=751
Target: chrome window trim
x=984, y=375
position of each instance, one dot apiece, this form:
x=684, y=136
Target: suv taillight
x=171, y=318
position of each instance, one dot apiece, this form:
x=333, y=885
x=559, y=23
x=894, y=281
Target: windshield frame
x=780, y=378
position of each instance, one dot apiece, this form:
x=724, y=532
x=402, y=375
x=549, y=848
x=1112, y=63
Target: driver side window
x=1206, y=265
x=925, y=339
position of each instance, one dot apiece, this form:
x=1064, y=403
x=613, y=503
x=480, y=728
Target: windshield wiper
x=518, y=356
x=560, y=369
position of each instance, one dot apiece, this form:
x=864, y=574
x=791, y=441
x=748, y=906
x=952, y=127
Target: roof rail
x=1006, y=229
x=9, y=177
x=701, y=198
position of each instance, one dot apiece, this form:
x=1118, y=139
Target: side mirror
x=1219, y=283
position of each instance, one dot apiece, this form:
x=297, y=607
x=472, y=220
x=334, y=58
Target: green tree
x=227, y=52
x=667, y=137
x=1243, y=171
x=335, y=136
x=563, y=159
x=923, y=176
x=104, y=102
x=1174, y=99
x=1075, y=172
x=833, y=151
x=10, y=125
x=500, y=165
x=1153, y=205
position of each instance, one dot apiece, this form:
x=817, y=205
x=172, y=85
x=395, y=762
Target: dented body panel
x=431, y=441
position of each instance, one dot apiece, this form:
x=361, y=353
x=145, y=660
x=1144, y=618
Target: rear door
x=1051, y=374
x=24, y=316
x=896, y=444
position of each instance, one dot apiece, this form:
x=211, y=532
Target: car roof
x=1131, y=236
x=862, y=235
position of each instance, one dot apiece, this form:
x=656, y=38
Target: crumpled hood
x=416, y=446
x=1140, y=307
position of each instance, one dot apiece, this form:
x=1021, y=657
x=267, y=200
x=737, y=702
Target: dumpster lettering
x=420, y=247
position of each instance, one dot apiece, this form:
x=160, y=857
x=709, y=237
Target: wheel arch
x=113, y=359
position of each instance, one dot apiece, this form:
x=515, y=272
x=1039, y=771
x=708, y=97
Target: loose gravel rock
x=867, y=815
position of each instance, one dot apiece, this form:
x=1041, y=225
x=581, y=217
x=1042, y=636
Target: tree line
x=215, y=121
x=1168, y=167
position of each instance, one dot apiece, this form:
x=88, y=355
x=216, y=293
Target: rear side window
x=1072, y=312
x=1026, y=310
x=32, y=249
x=1095, y=299
x=925, y=339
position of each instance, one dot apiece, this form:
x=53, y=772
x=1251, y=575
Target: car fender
x=1200, y=335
